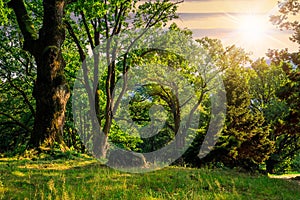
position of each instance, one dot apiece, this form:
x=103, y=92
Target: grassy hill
x=85, y=178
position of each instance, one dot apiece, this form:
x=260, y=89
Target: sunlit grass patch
x=58, y=166
x=85, y=178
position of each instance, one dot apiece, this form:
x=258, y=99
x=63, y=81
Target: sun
x=251, y=28
x=251, y=31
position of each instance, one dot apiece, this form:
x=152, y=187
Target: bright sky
x=241, y=22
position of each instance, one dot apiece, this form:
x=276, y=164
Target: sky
x=241, y=22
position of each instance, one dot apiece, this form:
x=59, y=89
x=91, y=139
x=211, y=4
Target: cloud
x=212, y=32
x=189, y=16
x=231, y=6
x=199, y=15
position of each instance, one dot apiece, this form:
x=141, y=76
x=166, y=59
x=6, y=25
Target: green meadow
x=86, y=178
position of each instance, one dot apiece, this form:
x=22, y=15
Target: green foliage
x=17, y=72
x=73, y=64
x=295, y=164
x=287, y=130
x=245, y=139
x=4, y=12
x=124, y=140
x=265, y=82
x=140, y=110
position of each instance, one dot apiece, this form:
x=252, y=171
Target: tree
x=287, y=130
x=217, y=59
x=265, y=81
x=285, y=116
x=244, y=141
x=101, y=22
x=51, y=90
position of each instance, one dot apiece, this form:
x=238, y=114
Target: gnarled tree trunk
x=51, y=90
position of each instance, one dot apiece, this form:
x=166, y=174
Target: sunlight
x=252, y=31
x=252, y=28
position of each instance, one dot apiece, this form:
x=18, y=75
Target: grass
x=85, y=178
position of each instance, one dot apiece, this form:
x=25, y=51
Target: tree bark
x=51, y=90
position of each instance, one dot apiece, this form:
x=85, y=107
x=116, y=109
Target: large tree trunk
x=51, y=90
x=270, y=165
x=51, y=93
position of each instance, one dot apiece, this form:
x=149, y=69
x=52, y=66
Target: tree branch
x=73, y=35
x=159, y=13
x=25, y=24
x=16, y=121
x=26, y=100
x=87, y=29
